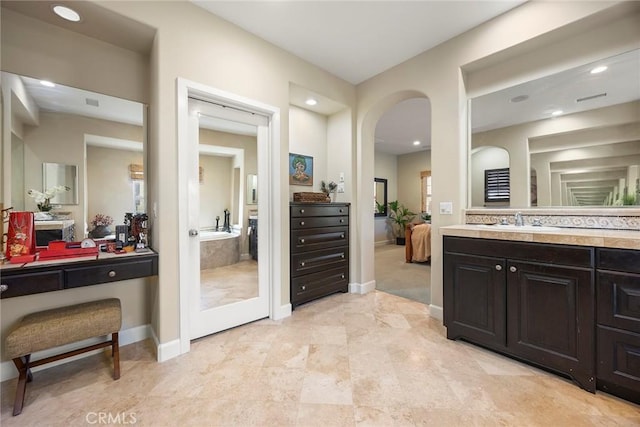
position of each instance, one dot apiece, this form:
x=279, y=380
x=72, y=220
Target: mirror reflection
x=228, y=154
x=380, y=197
x=82, y=140
x=568, y=139
x=59, y=175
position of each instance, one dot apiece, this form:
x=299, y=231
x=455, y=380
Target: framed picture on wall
x=300, y=169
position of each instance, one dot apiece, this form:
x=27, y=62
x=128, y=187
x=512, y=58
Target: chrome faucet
x=519, y=221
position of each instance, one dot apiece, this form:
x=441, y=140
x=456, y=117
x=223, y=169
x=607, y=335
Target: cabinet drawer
x=92, y=275
x=618, y=259
x=319, y=221
x=31, y=283
x=618, y=370
x=318, y=238
x=619, y=300
x=319, y=261
x=318, y=284
x=308, y=210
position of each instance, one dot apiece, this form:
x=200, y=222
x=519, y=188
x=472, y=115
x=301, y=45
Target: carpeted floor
x=395, y=276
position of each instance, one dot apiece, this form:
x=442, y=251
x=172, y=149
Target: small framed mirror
x=380, y=196
x=54, y=174
x=252, y=189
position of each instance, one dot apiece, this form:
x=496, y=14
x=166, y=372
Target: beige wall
x=530, y=39
x=308, y=136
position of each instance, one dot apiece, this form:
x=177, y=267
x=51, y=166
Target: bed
x=418, y=242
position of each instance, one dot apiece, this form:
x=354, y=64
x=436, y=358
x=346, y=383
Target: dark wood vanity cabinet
x=618, y=322
x=531, y=301
x=39, y=278
x=319, y=243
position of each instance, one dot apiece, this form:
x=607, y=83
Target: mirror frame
x=383, y=181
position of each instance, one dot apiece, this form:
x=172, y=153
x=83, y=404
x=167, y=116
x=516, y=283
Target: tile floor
x=344, y=360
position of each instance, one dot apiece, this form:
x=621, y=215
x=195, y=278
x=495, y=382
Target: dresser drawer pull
x=342, y=220
x=342, y=236
x=302, y=264
x=342, y=256
x=342, y=276
x=4, y=287
x=303, y=288
x=301, y=210
x=301, y=240
x=301, y=222
x=341, y=211
x=112, y=273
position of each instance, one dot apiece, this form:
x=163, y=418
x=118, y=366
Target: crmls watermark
x=110, y=418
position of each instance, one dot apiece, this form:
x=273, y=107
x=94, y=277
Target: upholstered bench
x=60, y=326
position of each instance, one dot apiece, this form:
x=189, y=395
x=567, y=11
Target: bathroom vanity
x=549, y=298
x=47, y=276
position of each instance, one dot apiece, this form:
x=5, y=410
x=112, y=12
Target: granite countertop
x=622, y=239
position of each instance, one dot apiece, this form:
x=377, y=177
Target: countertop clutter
x=622, y=239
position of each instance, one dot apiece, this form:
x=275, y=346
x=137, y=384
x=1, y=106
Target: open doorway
x=402, y=155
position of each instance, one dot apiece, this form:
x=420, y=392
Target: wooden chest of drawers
x=319, y=250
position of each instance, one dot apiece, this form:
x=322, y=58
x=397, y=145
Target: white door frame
x=269, y=208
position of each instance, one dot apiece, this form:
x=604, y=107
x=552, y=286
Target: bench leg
x=24, y=376
x=115, y=352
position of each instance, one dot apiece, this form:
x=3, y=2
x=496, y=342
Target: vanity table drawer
x=31, y=283
x=93, y=275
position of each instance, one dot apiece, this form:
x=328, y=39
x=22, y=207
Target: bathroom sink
x=511, y=227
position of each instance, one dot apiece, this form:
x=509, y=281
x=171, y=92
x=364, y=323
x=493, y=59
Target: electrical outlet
x=341, y=187
x=446, y=208
x=342, y=180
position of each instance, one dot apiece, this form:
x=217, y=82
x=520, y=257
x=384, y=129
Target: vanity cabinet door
x=474, y=299
x=551, y=317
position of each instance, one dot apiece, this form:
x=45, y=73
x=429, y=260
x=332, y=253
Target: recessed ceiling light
x=599, y=69
x=416, y=142
x=557, y=113
x=66, y=13
x=47, y=83
x=311, y=101
x=519, y=98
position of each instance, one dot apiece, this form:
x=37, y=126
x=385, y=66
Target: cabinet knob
x=341, y=211
x=112, y=273
x=301, y=222
x=301, y=240
x=342, y=276
x=303, y=288
x=4, y=287
x=513, y=269
x=342, y=256
x=302, y=264
x=498, y=267
x=342, y=236
x=301, y=210
x=342, y=220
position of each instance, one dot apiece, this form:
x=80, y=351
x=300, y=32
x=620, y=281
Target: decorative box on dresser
x=319, y=247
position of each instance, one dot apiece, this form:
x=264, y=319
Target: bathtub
x=219, y=248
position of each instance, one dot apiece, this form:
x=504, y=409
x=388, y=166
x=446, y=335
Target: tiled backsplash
x=608, y=218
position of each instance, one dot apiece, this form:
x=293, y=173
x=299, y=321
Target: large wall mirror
x=567, y=139
x=89, y=142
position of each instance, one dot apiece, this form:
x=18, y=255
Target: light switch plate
x=342, y=180
x=446, y=208
x=341, y=187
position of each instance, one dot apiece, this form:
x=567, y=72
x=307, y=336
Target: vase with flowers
x=100, y=224
x=43, y=198
x=329, y=188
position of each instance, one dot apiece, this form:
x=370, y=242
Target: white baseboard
x=362, y=288
x=384, y=242
x=436, y=311
x=167, y=350
x=126, y=336
x=282, y=312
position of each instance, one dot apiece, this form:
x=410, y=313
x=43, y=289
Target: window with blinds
x=496, y=185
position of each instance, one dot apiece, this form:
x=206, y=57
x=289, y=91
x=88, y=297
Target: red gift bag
x=21, y=240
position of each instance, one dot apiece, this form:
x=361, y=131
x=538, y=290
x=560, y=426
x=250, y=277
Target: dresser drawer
x=319, y=221
x=618, y=297
x=618, y=369
x=618, y=259
x=31, y=283
x=92, y=275
x=318, y=238
x=319, y=261
x=308, y=210
x=318, y=284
